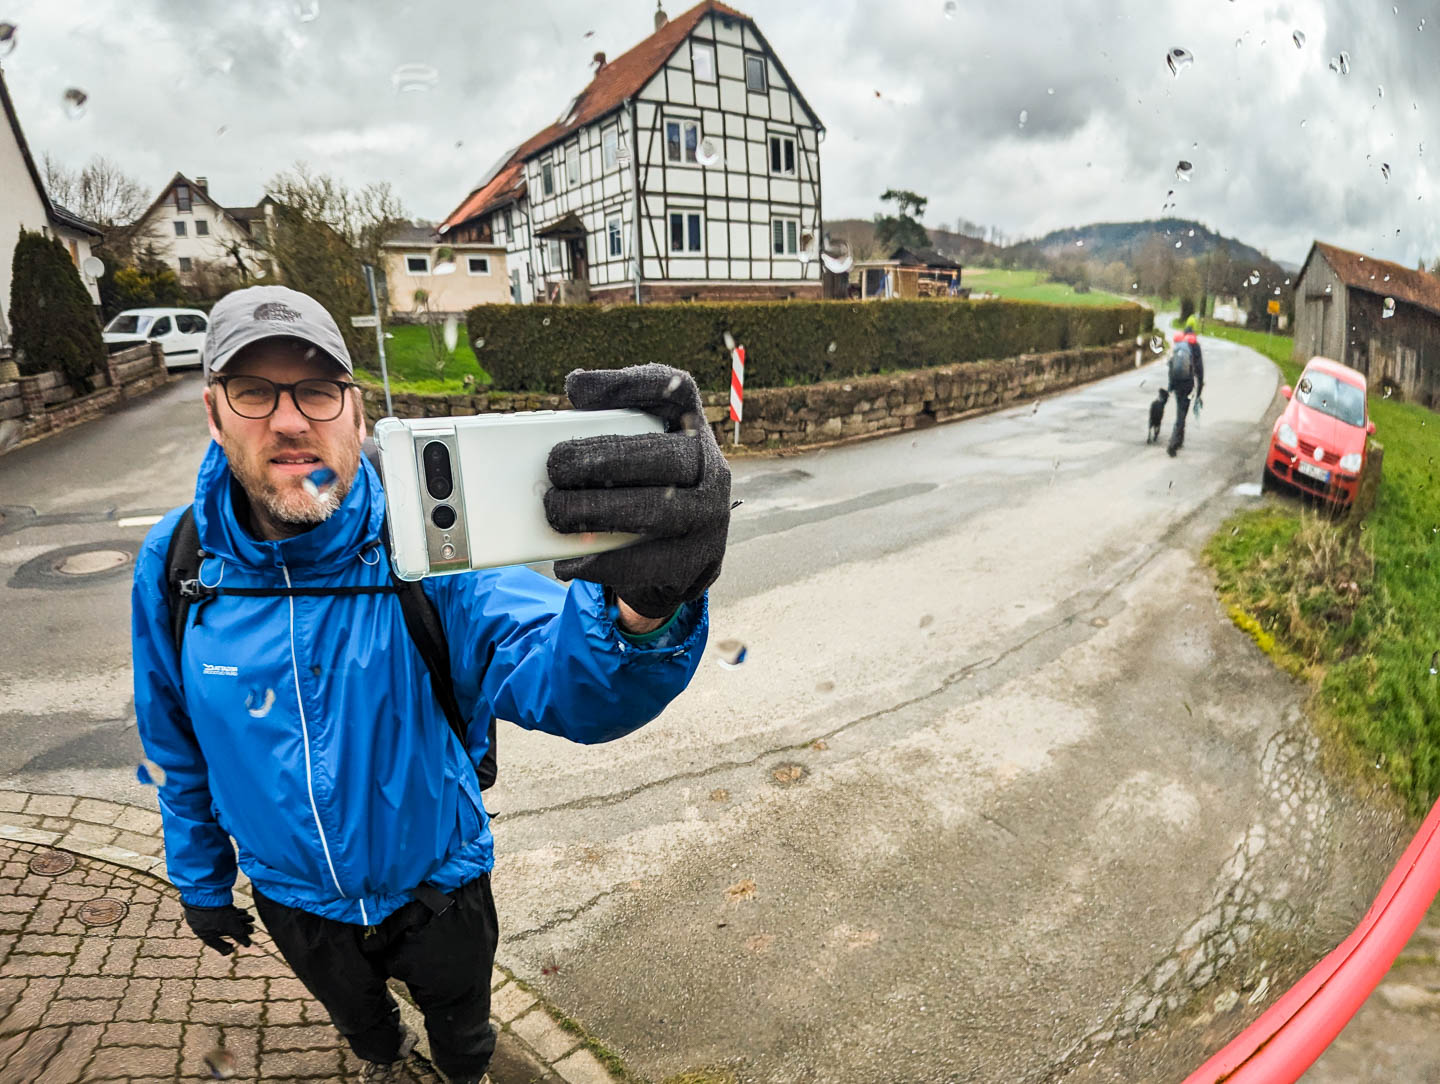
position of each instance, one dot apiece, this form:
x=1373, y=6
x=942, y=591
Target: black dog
x=1157, y=415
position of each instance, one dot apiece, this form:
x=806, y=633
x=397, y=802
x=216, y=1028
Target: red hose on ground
x=1288, y=1037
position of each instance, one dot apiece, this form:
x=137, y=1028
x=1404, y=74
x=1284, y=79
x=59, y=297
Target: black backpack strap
x=182, y=573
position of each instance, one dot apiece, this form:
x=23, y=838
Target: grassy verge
x=1355, y=612
x=412, y=368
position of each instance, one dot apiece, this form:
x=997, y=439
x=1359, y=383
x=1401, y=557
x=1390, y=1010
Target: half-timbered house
x=689, y=168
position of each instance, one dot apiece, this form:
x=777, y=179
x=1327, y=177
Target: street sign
x=1273, y=307
x=368, y=320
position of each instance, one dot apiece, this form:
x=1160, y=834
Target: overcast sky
x=1284, y=149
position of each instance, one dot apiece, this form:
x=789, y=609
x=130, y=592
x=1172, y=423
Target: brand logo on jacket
x=217, y=670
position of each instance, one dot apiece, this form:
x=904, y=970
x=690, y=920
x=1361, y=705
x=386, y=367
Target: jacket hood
x=221, y=515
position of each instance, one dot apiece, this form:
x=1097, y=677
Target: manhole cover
x=101, y=912
x=91, y=561
x=52, y=863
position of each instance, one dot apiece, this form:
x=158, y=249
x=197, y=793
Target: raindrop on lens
x=414, y=77
x=1435, y=663
x=1024, y=116
x=318, y=482
x=220, y=1062
x=1157, y=344
x=479, y=344
x=150, y=773
x=1179, y=243
x=1380, y=90
x=7, y=38
x=1178, y=60
x=1298, y=38
x=1389, y=309
x=546, y=321
x=1254, y=278
x=730, y=653
x=1344, y=62
x=452, y=333
x=1182, y=170
x=951, y=7
x=1385, y=170
x=831, y=348
x=307, y=11
x=708, y=153
x=74, y=100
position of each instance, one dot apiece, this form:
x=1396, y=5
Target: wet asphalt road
x=999, y=795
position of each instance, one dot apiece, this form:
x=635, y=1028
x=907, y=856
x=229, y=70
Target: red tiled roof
x=508, y=184
x=616, y=81
x=1367, y=273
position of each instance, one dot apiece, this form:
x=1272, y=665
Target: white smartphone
x=468, y=492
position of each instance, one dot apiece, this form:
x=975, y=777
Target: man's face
x=272, y=457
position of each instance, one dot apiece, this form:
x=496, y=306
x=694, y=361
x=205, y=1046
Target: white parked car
x=180, y=333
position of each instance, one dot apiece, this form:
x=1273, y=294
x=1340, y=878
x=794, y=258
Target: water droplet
x=1157, y=343
x=1344, y=62
x=7, y=38
x=1421, y=26
x=1182, y=170
x=222, y=129
x=1178, y=60
x=1079, y=244
x=1254, y=278
x=546, y=321
x=1389, y=309
x=307, y=11
x=1298, y=38
x=1237, y=43
x=1387, y=279
x=318, y=483
x=831, y=348
x=730, y=653
x=1385, y=170
x=451, y=333
x=1179, y=243
x=220, y=1062
x=150, y=773
x=1287, y=282
x=1024, y=116
x=1327, y=287
x=1380, y=90
x=74, y=100
x=708, y=153
x=443, y=267
x=1192, y=233
x=951, y=7
x=258, y=703
x=1435, y=663
x=1134, y=286
x=1302, y=123
x=414, y=77
x=1049, y=90
x=674, y=385
x=838, y=263
x=479, y=344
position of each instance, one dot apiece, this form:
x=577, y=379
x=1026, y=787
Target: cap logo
x=277, y=311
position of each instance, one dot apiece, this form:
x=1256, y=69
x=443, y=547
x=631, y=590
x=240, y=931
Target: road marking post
x=737, y=388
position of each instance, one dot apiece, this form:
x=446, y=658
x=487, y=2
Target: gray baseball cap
x=247, y=316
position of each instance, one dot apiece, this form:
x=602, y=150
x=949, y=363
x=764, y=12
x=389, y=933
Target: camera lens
x=438, y=480
x=443, y=516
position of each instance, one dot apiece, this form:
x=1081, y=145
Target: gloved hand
x=213, y=924
x=673, y=488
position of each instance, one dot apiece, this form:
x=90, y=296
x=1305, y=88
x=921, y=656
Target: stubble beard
x=292, y=504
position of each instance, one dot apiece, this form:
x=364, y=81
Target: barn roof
x=1419, y=288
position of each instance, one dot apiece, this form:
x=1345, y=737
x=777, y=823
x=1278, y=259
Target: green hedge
x=532, y=347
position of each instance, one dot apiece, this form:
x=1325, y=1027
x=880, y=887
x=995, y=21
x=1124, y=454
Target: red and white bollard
x=737, y=388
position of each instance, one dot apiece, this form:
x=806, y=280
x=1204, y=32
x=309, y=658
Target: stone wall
x=817, y=413
x=36, y=406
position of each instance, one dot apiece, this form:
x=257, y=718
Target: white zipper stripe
x=305, y=735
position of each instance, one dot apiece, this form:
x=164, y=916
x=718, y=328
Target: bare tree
x=100, y=192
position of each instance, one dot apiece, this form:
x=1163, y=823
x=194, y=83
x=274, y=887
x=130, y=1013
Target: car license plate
x=1312, y=471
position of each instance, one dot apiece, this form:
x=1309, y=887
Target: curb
x=532, y=1034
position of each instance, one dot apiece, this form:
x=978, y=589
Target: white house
x=24, y=204
x=188, y=230
x=689, y=168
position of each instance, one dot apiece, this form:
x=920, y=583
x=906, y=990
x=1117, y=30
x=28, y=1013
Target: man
x=1187, y=375
x=299, y=718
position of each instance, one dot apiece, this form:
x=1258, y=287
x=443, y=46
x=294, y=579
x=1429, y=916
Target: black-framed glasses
x=254, y=397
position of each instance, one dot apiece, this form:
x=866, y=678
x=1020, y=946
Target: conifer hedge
x=52, y=318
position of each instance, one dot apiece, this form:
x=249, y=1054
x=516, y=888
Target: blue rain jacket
x=305, y=728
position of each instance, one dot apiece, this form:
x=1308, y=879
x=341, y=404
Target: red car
x=1318, y=444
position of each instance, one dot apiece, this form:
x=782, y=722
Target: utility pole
x=379, y=337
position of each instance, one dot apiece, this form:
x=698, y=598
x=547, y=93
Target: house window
x=572, y=165
x=547, y=177
x=613, y=228
x=784, y=234
x=75, y=253
x=702, y=60
x=685, y=231
x=552, y=251
x=515, y=285
x=189, y=325
x=682, y=137
x=182, y=197
x=184, y=263
x=509, y=223
x=755, y=73
x=417, y=265
x=478, y=265
x=162, y=326
x=609, y=147
x=179, y=228
x=782, y=155
x=202, y=227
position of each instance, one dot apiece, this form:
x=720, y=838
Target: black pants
x=1181, y=392
x=444, y=959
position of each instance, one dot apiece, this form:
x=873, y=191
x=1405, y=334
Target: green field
x=412, y=368
x=1356, y=612
x=1030, y=286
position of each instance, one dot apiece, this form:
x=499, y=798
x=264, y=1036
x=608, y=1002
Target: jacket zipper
x=305, y=738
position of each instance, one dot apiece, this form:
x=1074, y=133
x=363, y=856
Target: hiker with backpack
x=1187, y=376
x=293, y=696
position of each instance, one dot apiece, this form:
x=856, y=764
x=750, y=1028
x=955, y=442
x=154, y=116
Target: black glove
x=213, y=924
x=673, y=488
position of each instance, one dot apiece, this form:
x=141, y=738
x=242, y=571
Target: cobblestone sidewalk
x=101, y=980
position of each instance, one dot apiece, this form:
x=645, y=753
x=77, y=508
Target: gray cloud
x=165, y=76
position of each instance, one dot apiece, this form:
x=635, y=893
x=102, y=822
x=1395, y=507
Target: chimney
x=598, y=60
x=660, y=17
x=203, y=183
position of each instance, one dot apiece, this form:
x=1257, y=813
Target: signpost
x=373, y=320
x=1273, y=308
